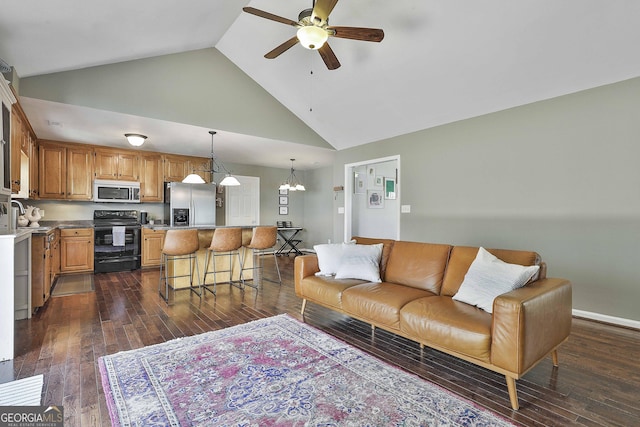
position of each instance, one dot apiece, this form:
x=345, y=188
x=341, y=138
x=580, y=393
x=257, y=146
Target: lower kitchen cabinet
x=40, y=269
x=76, y=250
x=152, y=242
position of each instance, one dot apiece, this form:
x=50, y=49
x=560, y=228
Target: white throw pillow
x=360, y=262
x=489, y=277
x=329, y=257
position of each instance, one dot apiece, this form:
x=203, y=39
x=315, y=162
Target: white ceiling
x=440, y=61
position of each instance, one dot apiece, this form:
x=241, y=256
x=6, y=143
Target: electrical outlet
x=41, y=213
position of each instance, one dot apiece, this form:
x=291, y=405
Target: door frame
x=348, y=192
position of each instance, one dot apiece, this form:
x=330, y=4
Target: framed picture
x=371, y=176
x=284, y=200
x=389, y=188
x=284, y=210
x=359, y=183
x=379, y=181
x=284, y=192
x=375, y=199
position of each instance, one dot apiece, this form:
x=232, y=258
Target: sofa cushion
x=462, y=257
x=379, y=303
x=360, y=262
x=489, y=277
x=419, y=265
x=326, y=290
x=444, y=323
x=387, y=245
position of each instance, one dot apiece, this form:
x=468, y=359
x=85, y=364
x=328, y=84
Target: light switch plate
x=341, y=210
x=405, y=208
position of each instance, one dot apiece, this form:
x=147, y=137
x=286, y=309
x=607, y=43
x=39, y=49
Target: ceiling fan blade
x=271, y=16
x=322, y=9
x=356, y=33
x=329, y=58
x=282, y=48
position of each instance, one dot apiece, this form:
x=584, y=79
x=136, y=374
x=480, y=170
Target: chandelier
x=292, y=183
x=228, y=180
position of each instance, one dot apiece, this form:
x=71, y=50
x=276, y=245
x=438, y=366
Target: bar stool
x=263, y=238
x=225, y=242
x=179, y=245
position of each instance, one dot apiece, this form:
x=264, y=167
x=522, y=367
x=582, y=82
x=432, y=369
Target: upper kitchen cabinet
x=66, y=171
x=116, y=165
x=22, y=138
x=200, y=166
x=176, y=168
x=7, y=99
x=151, y=177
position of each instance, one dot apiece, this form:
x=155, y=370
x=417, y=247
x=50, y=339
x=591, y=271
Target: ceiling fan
x=314, y=30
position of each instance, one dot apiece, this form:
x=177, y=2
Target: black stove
x=116, y=240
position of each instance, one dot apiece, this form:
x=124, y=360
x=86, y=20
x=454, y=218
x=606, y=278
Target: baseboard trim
x=620, y=321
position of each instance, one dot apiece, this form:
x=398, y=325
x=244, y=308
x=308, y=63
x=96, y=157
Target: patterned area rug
x=273, y=372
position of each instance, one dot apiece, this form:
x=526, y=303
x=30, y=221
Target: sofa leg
x=304, y=305
x=554, y=358
x=513, y=394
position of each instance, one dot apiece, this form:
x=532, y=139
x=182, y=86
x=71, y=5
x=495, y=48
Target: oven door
x=109, y=257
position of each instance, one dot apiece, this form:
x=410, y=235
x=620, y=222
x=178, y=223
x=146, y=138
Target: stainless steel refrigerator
x=189, y=204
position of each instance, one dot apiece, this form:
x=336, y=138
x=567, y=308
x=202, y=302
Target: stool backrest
x=181, y=242
x=264, y=237
x=226, y=239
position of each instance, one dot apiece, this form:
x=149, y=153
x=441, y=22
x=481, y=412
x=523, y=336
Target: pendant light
x=292, y=183
x=228, y=180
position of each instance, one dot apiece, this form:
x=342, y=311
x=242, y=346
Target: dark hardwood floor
x=597, y=383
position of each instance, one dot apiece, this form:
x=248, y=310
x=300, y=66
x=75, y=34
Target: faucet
x=20, y=207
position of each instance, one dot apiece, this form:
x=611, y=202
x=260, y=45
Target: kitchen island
x=205, y=234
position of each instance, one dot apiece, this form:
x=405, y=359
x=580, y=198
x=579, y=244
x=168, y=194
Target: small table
x=290, y=244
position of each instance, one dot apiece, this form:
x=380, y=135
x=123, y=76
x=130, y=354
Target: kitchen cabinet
x=76, y=250
x=16, y=152
x=55, y=255
x=41, y=269
x=7, y=99
x=33, y=167
x=152, y=242
x=116, y=165
x=151, y=178
x=22, y=137
x=200, y=166
x=66, y=171
x=176, y=168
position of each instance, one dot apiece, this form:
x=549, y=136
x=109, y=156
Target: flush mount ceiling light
x=228, y=180
x=292, y=183
x=135, y=139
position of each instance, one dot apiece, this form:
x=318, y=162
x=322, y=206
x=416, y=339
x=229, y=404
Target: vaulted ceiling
x=440, y=61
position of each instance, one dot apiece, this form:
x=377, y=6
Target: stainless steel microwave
x=116, y=191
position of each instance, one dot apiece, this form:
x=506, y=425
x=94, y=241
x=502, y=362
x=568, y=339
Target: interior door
x=242, y=205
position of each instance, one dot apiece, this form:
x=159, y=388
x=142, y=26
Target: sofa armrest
x=304, y=266
x=530, y=322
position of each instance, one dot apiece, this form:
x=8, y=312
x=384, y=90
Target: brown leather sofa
x=415, y=301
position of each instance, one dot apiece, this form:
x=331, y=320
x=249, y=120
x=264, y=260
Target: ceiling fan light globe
x=312, y=37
